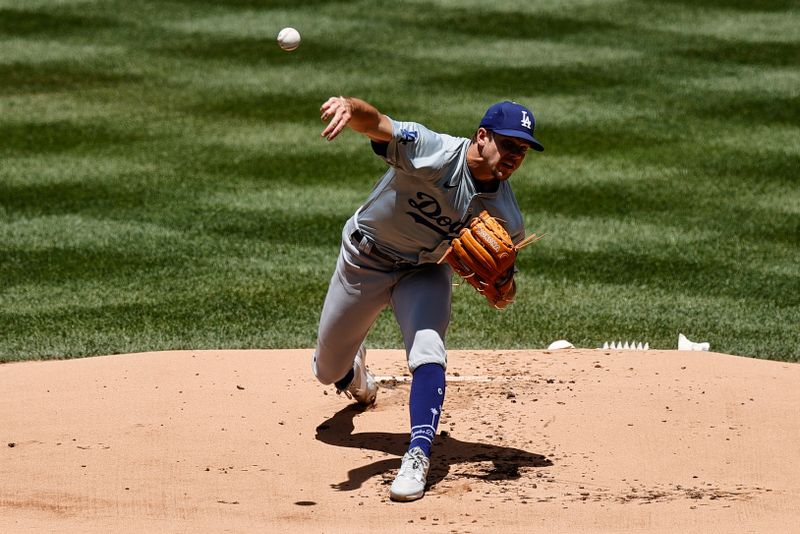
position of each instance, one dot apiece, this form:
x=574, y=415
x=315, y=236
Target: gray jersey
x=428, y=194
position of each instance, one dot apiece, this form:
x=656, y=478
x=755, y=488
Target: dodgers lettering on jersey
x=427, y=195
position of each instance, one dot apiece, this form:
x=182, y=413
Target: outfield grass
x=163, y=184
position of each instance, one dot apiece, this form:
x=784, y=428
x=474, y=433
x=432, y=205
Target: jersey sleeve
x=414, y=149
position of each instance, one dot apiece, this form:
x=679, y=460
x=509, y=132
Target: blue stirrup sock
x=425, y=405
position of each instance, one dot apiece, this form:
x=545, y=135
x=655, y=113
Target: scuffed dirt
x=557, y=441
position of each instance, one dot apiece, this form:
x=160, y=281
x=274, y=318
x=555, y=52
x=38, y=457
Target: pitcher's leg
x=354, y=300
x=421, y=304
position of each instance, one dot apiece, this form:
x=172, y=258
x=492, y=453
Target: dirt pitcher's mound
x=549, y=441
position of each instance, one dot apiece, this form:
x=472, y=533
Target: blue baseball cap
x=514, y=120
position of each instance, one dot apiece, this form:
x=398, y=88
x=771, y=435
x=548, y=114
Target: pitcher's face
x=504, y=155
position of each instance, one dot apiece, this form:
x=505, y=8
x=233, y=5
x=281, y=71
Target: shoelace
x=414, y=468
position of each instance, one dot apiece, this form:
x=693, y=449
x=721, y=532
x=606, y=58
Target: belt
x=358, y=237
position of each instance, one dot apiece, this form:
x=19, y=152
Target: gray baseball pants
x=362, y=285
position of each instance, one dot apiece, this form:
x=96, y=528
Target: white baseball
x=289, y=39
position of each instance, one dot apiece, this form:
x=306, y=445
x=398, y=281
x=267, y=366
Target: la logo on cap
x=526, y=121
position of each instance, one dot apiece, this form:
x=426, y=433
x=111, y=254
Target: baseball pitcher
x=444, y=204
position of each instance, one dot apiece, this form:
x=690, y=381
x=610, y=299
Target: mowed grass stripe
x=164, y=184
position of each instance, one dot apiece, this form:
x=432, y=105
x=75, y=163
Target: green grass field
x=163, y=184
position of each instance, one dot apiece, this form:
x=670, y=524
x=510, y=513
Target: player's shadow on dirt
x=447, y=451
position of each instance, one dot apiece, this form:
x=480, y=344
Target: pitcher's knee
x=329, y=370
x=428, y=347
x=323, y=373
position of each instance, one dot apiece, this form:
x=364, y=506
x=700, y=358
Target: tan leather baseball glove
x=484, y=255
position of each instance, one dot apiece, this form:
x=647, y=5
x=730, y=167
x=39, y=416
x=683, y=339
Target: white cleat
x=363, y=387
x=409, y=485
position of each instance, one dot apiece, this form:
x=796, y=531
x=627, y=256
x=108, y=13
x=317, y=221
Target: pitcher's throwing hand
x=338, y=110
